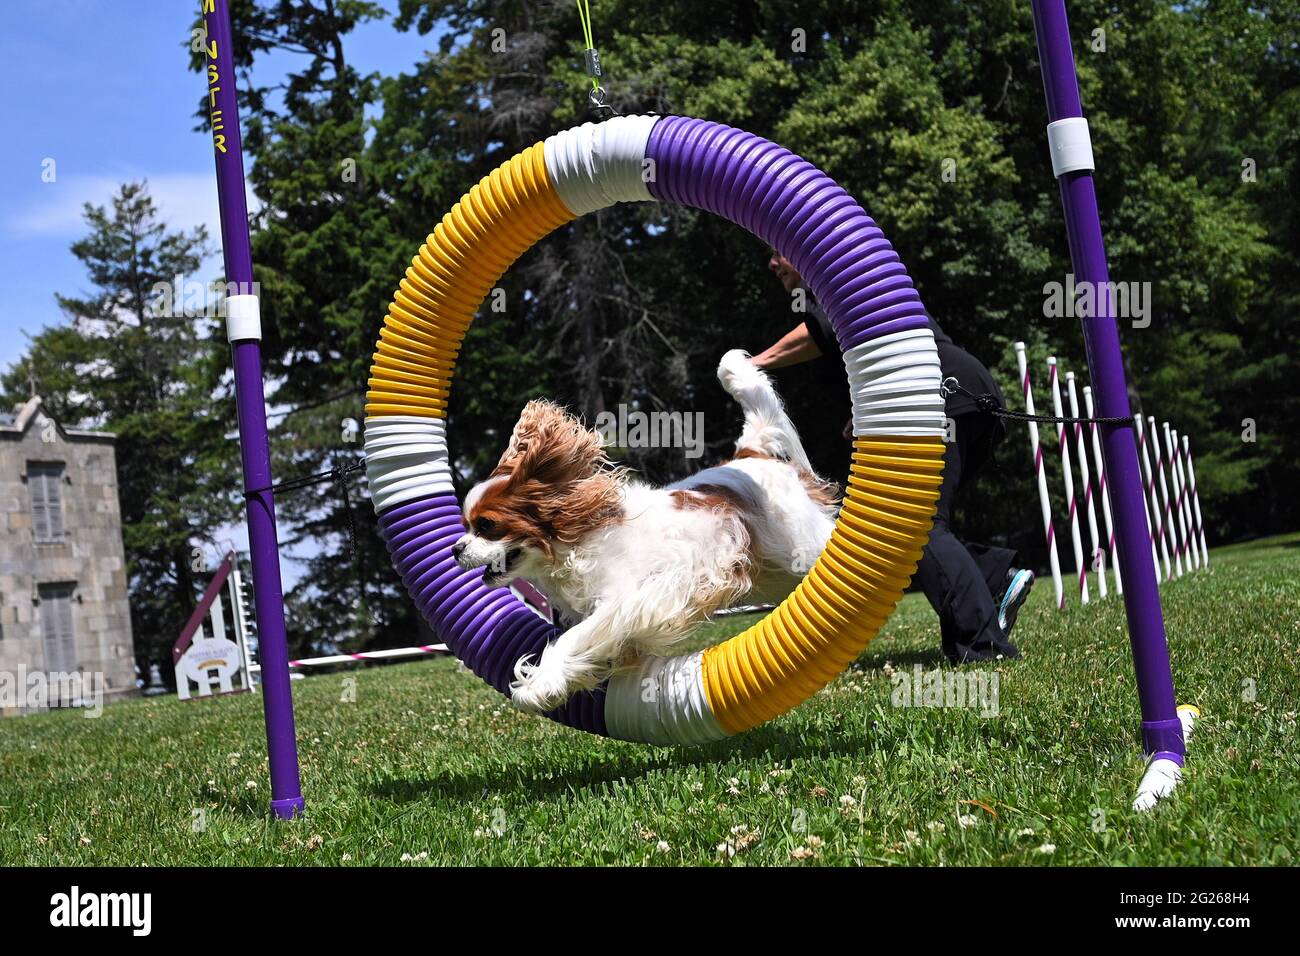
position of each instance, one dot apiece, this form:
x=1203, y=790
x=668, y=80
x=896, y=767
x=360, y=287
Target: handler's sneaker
x=1019, y=581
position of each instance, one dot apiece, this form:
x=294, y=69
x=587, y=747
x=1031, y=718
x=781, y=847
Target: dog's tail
x=768, y=429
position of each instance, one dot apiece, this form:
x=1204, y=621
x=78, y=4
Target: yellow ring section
x=837, y=609
x=492, y=226
x=893, y=485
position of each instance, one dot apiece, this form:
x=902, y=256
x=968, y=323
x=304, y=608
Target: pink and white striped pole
x=1196, y=501
x=1167, y=515
x=1155, y=524
x=385, y=655
x=1176, y=502
x=1099, y=554
x=1044, y=500
x=1185, y=520
x=1064, y=443
x=1100, y=460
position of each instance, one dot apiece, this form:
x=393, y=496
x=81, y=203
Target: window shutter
x=54, y=502
x=44, y=483
x=40, y=511
x=67, y=637
x=57, y=635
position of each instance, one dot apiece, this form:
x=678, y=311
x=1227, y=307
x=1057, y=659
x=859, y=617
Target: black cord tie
x=338, y=473
x=989, y=405
x=340, y=476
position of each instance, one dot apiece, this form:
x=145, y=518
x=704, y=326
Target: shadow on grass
x=553, y=775
x=875, y=658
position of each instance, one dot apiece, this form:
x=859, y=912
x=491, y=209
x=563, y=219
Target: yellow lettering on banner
x=212, y=96
x=212, y=73
x=209, y=6
x=219, y=141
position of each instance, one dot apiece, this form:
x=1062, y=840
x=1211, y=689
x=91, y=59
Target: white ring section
x=894, y=384
x=661, y=701
x=1070, y=145
x=598, y=164
x=406, y=458
x=243, y=318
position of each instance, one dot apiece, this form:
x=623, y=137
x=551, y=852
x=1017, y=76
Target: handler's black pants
x=963, y=581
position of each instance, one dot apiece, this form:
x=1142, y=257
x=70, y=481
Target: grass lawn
x=430, y=766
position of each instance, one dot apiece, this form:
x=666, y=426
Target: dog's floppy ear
x=548, y=444
x=556, y=472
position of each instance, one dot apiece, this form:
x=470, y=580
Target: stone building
x=63, y=586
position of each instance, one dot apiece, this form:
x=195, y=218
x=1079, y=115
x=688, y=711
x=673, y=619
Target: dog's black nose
x=458, y=549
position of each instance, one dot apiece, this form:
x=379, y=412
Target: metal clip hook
x=597, y=99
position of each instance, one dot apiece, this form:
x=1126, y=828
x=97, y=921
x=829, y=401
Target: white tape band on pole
x=894, y=385
x=661, y=700
x=406, y=458
x=1070, y=145
x=599, y=164
x=243, y=318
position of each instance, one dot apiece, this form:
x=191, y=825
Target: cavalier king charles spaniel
x=635, y=566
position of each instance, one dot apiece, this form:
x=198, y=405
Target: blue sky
x=102, y=87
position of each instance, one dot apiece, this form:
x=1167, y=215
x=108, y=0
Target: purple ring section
x=837, y=248
x=488, y=629
x=788, y=202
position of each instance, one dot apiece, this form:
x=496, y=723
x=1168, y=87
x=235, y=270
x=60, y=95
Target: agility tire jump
x=894, y=381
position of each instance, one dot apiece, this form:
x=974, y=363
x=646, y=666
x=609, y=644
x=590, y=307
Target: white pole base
x=1163, y=776
x=1158, y=782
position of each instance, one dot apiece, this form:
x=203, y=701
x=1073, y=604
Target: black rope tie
x=989, y=404
x=340, y=475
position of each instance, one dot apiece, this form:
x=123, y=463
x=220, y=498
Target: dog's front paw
x=537, y=688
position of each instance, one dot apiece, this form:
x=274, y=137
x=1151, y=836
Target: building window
x=57, y=636
x=45, y=485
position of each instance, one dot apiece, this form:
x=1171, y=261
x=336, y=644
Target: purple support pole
x=245, y=335
x=1162, y=734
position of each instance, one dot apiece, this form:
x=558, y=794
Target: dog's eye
x=484, y=526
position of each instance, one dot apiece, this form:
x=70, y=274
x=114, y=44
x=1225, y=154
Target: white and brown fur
x=634, y=565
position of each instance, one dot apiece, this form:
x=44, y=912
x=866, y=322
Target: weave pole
x=1196, y=501
x=1100, y=463
x=1155, y=521
x=1167, y=519
x=1098, y=549
x=244, y=330
x=1180, y=491
x=1044, y=499
x=1064, y=442
x=1184, y=496
x=395, y=653
x=1070, y=148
